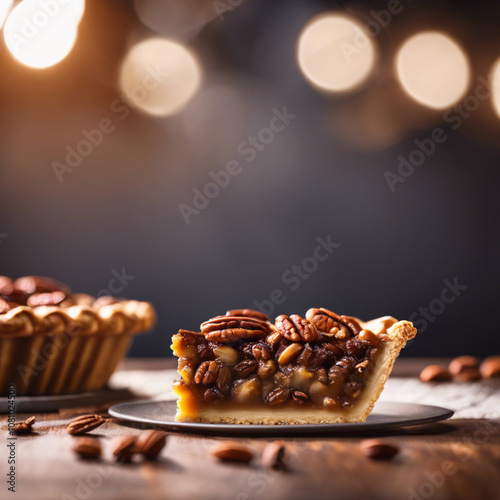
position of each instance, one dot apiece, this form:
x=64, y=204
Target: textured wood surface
x=452, y=460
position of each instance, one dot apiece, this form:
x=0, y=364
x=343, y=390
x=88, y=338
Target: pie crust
x=391, y=336
x=69, y=348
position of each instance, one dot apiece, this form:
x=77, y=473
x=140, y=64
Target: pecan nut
x=274, y=456
x=206, y=373
x=230, y=328
x=213, y=394
x=289, y=354
x=150, y=443
x=247, y=349
x=4, y=306
x=334, y=349
x=273, y=340
x=329, y=403
x=361, y=367
x=322, y=376
x=84, y=424
x=203, y=352
x=299, y=397
x=278, y=396
x=490, y=367
x=296, y=329
x=331, y=324
x=46, y=299
x=246, y=368
x=124, y=448
x=248, y=313
x=6, y=286
x=344, y=366
x=24, y=427
x=353, y=388
x=458, y=365
x=260, y=351
x=39, y=284
x=468, y=375
x=357, y=348
x=377, y=449
x=224, y=378
x=435, y=373
x=319, y=358
x=267, y=369
x=337, y=372
x=232, y=452
x=305, y=356
x=87, y=448
x=185, y=367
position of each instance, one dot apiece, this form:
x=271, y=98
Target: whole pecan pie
x=53, y=341
x=324, y=368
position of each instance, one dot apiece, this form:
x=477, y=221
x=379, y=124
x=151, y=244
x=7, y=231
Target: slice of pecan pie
x=324, y=368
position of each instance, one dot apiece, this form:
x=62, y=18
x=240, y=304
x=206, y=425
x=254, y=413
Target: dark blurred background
x=419, y=243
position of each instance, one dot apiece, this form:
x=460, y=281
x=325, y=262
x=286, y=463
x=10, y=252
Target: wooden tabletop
x=456, y=459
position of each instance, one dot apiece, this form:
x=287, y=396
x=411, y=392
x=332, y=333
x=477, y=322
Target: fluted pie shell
x=392, y=336
x=51, y=350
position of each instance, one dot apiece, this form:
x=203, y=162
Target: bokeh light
x=40, y=34
x=495, y=86
x=5, y=7
x=159, y=76
x=79, y=8
x=334, y=53
x=179, y=19
x=433, y=69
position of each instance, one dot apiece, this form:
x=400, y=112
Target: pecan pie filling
x=244, y=361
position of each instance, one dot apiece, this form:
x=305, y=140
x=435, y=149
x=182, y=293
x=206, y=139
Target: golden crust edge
x=399, y=332
x=126, y=317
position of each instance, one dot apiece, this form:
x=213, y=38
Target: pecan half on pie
x=53, y=341
x=324, y=368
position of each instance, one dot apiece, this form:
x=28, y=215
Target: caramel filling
x=274, y=371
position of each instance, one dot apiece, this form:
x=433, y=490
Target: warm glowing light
x=5, y=6
x=495, y=85
x=433, y=69
x=334, y=53
x=179, y=19
x=40, y=34
x=159, y=76
x=79, y=8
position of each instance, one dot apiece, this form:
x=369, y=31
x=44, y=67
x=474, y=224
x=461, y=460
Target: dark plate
x=39, y=404
x=386, y=415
